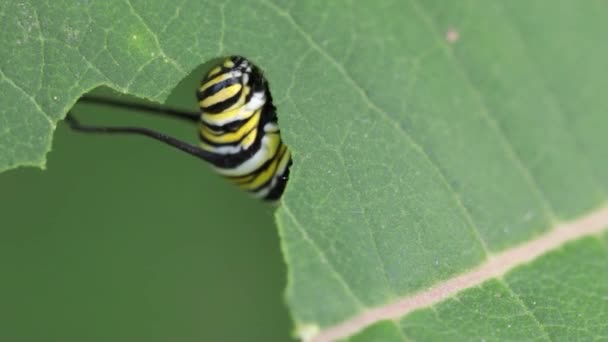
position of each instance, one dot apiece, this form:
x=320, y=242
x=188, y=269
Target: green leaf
x=429, y=138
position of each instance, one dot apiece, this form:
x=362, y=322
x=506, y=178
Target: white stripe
x=248, y=166
x=251, y=164
x=275, y=179
x=257, y=100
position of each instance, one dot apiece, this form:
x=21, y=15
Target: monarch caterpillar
x=238, y=128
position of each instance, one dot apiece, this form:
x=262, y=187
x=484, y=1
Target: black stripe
x=237, y=60
x=213, y=130
x=230, y=161
x=279, y=187
x=216, y=144
x=267, y=115
x=232, y=126
x=267, y=165
x=257, y=81
x=260, y=168
x=214, y=89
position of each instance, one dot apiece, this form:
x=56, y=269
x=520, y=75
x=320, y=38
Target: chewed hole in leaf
x=237, y=126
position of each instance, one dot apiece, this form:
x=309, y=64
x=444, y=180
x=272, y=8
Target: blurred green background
x=125, y=239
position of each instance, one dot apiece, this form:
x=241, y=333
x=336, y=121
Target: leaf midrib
x=592, y=224
x=507, y=147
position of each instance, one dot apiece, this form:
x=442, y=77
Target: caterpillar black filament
x=238, y=128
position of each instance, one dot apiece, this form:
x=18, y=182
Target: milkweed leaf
x=430, y=139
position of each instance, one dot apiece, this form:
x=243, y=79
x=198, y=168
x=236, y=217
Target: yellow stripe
x=242, y=180
x=232, y=136
x=227, y=114
x=207, y=130
x=229, y=63
x=214, y=71
x=272, y=144
x=284, y=160
x=221, y=95
x=265, y=175
x=215, y=80
x=241, y=101
x=207, y=147
x=249, y=139
x=249, y=177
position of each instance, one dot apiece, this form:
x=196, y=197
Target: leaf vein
x=155, y=37
x=29, y=97
x=508, y=146
x=527, y=309
x=389, y=119
x=362, y=209
x=323, y=257
x=42, y=48
x=592, y=224
x=551, y=92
